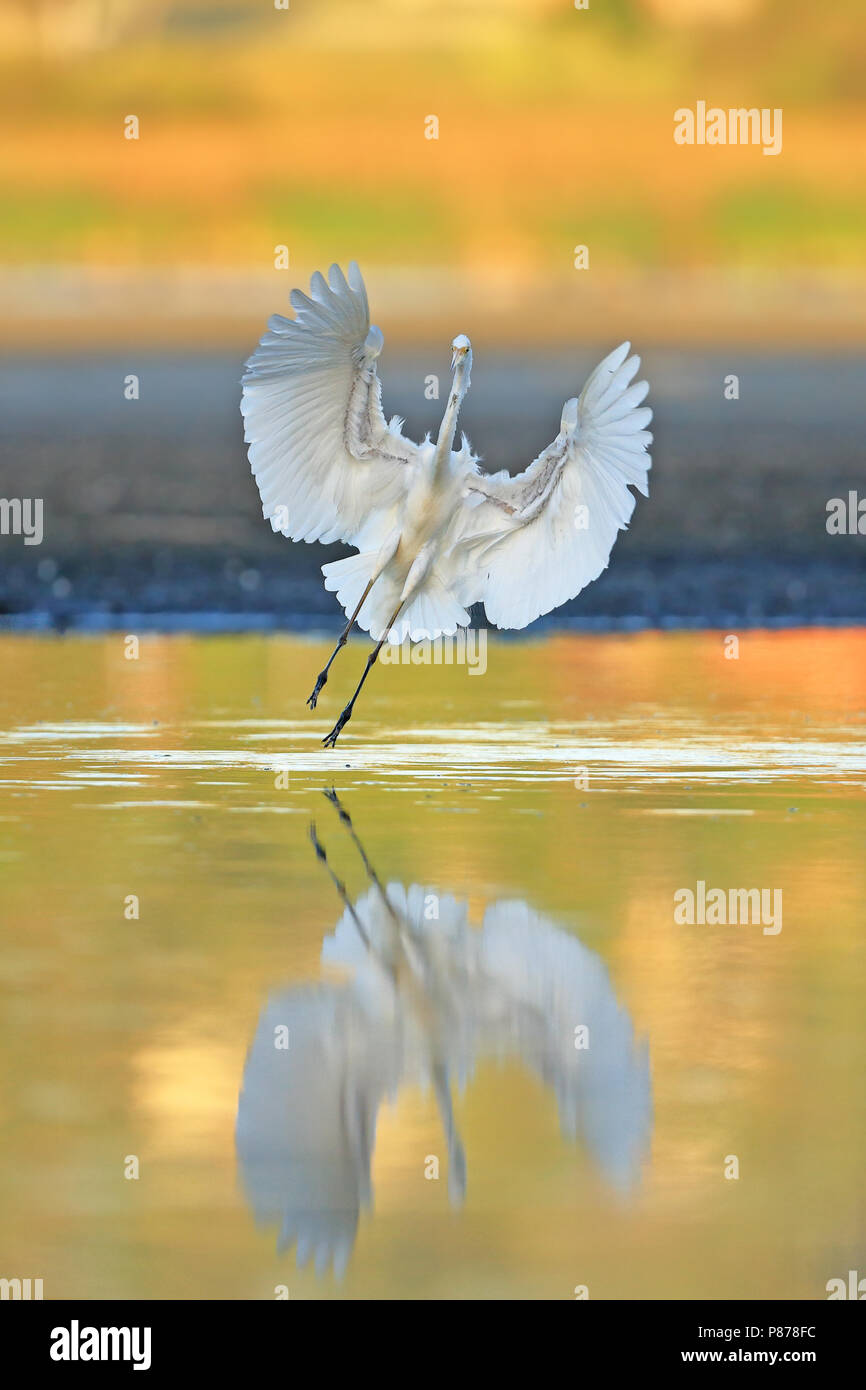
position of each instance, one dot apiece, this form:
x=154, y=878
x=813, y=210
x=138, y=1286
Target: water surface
x=506, y=880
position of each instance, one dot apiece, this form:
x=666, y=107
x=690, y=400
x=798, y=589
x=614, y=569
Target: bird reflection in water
x=427, y=996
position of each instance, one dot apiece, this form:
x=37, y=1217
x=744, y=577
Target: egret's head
x=461, y=349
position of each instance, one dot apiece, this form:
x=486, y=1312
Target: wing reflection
x=427, y=996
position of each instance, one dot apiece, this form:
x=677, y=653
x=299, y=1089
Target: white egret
x=425, y=1001
x=434, y=534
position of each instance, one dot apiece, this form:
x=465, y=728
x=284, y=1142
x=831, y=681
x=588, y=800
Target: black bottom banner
x=166, y=1339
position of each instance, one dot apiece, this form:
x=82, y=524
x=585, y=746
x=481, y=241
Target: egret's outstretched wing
x=325, y=459
x=554, y=985
x=306, y=1119
x=527, y=544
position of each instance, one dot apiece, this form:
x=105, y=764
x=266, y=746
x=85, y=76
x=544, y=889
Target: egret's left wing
x=326, y=461
x=526, y=544
x=561, y=1015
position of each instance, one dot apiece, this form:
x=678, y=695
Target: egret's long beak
x=457, y=355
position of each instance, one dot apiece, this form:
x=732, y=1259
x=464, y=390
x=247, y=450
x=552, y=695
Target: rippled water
x=440, y=1035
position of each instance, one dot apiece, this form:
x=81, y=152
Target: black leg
x=338, y=884
x=341, y=887
x=329, y=741
x=346, y=820
x=341, y=642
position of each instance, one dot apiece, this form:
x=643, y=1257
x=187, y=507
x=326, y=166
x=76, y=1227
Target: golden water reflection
x=552, y=809
x=430, y=998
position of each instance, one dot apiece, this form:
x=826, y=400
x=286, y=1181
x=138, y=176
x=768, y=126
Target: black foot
x=331, y=739
x=335, y=802
x=323, y=676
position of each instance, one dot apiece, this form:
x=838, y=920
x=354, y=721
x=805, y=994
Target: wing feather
x=324, y=457
x=524, y=545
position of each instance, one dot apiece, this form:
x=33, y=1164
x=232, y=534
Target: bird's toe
x=323, y=676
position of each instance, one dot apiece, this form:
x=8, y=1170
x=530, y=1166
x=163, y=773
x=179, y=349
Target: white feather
x=524, y=545
x=329, y=467
x=325, y=460
x=425, y=998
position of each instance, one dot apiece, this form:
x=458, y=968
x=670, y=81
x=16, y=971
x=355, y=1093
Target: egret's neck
x=448, y=428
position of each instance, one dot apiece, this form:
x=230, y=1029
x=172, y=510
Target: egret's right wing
x=318, y=1068
x=326, y=461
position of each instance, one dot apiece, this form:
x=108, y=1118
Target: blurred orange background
x=305, y=127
